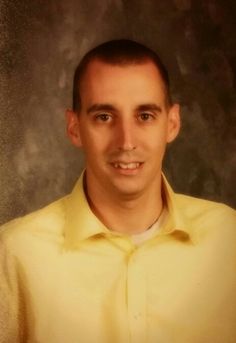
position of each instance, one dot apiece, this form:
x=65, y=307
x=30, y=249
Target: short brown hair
x=119, y=52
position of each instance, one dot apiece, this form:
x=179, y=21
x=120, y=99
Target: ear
x=72, y=128
x=173, y=122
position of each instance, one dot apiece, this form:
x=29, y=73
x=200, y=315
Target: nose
x=125, y=135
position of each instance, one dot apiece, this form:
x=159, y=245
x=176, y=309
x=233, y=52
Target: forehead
x=103, y=81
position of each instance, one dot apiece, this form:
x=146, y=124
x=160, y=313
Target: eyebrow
x=149, y=107
x=109, y=107
x=101, y=107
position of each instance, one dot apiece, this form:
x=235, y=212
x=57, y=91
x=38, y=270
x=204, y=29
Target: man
x=122, y=258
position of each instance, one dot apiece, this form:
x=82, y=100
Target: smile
x=125, y=166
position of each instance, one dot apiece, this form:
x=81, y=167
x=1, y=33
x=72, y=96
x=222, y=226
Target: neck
x=124, y=214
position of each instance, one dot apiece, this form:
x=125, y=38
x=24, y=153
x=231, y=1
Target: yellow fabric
x=65, y=277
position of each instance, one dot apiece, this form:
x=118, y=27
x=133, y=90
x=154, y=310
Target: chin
x=128, y=189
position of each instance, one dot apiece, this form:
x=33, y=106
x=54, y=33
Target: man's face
x=123, y=126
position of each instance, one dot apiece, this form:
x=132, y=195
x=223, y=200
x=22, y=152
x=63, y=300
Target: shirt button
x=137, y=315
x=133, y=258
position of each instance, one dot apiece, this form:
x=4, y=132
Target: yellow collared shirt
x=65, y=277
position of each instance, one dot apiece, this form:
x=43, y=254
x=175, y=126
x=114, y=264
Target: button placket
x=136, y=298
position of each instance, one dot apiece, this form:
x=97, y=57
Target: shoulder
x=210, y=223
x=206, y=216
x=46, y=221
x=197, y=206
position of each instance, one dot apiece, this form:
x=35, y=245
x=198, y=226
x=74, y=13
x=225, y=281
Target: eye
x=104, y=117
x=146, y=116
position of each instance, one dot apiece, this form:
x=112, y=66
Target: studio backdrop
x=41, y=44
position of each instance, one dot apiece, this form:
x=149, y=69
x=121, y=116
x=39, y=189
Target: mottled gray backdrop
x=41, y=43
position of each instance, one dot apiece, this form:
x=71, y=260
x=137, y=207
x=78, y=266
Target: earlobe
x=72, y=128
x=173, y=123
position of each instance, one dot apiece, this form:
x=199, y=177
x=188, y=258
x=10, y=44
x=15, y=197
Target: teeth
x=132, y=165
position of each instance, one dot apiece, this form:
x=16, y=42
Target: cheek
x=93, y=143
x=157, y=140
x=87, y=136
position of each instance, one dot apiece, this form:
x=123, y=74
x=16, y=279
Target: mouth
x=130, y=165
x=127, y=166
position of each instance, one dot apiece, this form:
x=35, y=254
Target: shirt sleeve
x=11, y=314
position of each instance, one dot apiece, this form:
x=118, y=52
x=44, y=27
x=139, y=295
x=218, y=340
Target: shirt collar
x=81, y=223
x=177, y=223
